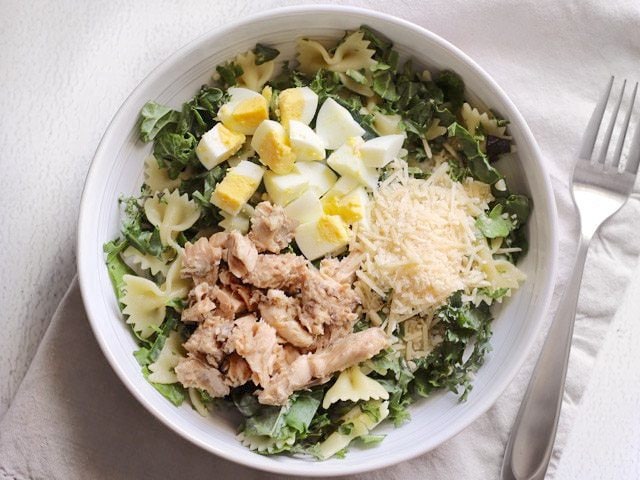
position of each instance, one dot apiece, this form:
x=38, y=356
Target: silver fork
x=599, y=190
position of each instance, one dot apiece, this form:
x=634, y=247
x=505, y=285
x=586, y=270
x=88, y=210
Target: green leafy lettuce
x=494, y=224
x=116, y=267
x=176, y=134
x=264, y=53
x=147, y=354
x=463, y=328
x=137, y=230
x=286, y=426
x=153, y=118
x=477, y=162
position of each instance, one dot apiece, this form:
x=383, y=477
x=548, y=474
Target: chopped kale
x=264, y=53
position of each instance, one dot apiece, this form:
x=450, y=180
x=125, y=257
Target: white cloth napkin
x=73, y=419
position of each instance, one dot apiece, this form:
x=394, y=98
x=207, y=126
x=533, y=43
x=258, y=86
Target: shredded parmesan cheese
x=420, y=244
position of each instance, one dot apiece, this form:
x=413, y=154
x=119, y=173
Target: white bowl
x=117, y=169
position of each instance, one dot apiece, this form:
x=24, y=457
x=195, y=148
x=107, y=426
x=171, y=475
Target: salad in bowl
x=318, y=243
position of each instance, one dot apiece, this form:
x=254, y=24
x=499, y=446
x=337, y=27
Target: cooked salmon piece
x=344, y=353
x=241, y=254
x=201, y=306
x=281, y=312
x=271, y=229
x=209, y=339
x=200, y=261
x=283, y=272
x=193, y=372
x=325, y=301
x=257, y=343
x=342, y=270
x=227, y=302
x=236, y=370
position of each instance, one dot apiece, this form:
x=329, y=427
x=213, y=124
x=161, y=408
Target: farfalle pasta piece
x=353, y=53
x=253, y=76
x=354, y=385
x=171, y=213
x=264, y=443
x=156, y=178
x=435, y=130
x=387, y=124
x=145, y=261
x=354, y=86
x=197, y=403
x=361, y=423
x=162, y=370
x=175, y=287
x=144, y=304
x=473, y=119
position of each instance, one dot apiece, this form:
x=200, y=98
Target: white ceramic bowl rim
x=87, y=220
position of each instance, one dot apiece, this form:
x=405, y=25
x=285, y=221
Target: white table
x=65, y=67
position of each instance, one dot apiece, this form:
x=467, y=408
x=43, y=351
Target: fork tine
x=591, y=134
x=623, y=132
x=612, y=123
x=633, y=160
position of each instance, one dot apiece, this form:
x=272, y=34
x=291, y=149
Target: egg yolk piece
x=250, y=113
x=271, y=143
x=332, y=229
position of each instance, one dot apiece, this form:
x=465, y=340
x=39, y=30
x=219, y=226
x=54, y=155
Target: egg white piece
x=306, y=208
x=284, y=188
x=379, y=151
x=237, y=186
x=328, y=234
x=305, y=143
x=335, y=124
x=299, y=103
x=347, y=161
x=217, y=145
x=244, y=111
x=321, y=178
x=342, y=187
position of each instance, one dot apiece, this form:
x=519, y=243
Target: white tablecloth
x=66, y=66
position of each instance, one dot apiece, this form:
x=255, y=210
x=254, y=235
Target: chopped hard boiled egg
x=217, y=145
x=305, y=143
x=351, y=208
x=284, y=188
x=245, y=111
x=379, y=151
x=299, y=104
x=272, y=145
x=306, y=208
x=347, y=161
x=321, y=178
x=328, y=234
x=343, y=186
x=335, y=124
x=237, y=187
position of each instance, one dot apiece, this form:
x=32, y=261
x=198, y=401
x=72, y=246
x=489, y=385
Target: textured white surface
x=65, y=67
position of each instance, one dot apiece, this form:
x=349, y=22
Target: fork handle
x=531, y=442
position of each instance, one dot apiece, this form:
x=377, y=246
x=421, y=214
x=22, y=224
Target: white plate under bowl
x=117, y=170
